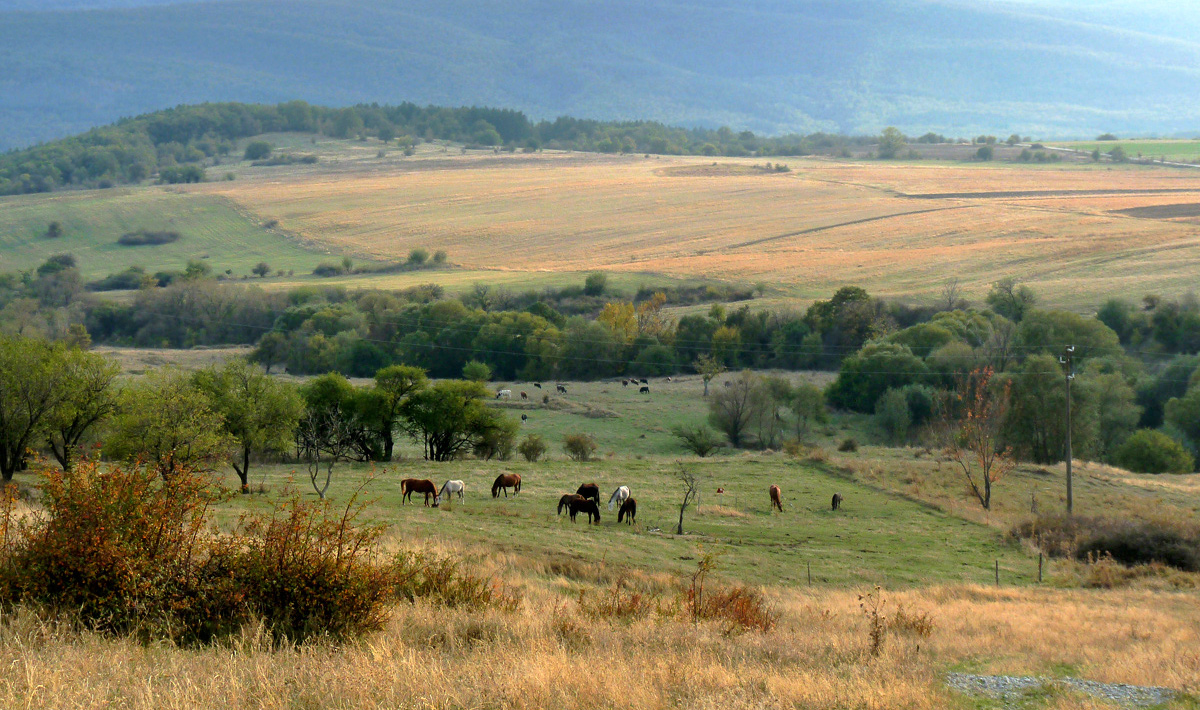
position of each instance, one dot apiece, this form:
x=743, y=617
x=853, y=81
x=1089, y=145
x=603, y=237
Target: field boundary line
x=813, y=230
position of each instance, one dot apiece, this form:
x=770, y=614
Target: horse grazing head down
x=564, y=503
x=776, y=498
x=589, y=490
x=505, y=481
x=619, y=496
x=628, y=511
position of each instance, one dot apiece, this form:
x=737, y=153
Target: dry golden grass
x=809, y=231
x=548, y=655
x=137, y=361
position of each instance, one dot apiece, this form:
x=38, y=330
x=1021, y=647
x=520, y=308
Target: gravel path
x=1007, y=686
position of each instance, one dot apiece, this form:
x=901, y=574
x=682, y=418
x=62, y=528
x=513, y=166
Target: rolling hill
x=1051, y=68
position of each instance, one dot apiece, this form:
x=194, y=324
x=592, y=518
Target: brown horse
x=776, y=498
x=837, y=501
x=583, y=505
x=628, y=510
x=415, y=485
x=589, y=490
x=505, y=481
x=567, y=499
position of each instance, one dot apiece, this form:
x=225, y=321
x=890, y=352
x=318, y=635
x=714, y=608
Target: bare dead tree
x=691, y=490
x=973, y=419
x=951, y=295
x=322, y=440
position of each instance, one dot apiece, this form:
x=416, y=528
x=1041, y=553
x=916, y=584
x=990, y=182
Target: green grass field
x=1182, y=151
x=211, y=229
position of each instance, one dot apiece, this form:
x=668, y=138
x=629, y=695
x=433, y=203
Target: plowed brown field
x=897, y=229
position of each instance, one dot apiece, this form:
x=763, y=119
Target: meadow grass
x=212, y=229
x=1184, y=151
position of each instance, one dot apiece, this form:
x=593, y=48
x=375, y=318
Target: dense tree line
x=175, y=144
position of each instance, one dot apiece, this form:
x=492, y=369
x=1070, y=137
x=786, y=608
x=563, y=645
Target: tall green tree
x=395, y=384
x=449, y=418
x=1035, y=424
x=891, y=142
x=88, y=398
x=259, y=413
x=170, y=423
x=31, y=389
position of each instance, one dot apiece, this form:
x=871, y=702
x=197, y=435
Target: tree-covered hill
x=175, y=145
x=772, y=66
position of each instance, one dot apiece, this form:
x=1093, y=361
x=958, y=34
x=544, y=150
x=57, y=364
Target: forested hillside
x=765, y=65
x=175, y=145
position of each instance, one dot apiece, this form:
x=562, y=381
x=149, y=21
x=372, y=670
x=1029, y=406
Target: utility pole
x=1068, y=362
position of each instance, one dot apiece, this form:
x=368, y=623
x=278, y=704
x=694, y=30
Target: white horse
x=619, y=497
x=452, y=488
x=504, y=393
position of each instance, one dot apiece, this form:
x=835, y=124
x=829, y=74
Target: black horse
x=584, y=506
x=566, y=500
x=628, y=511
x=589, y=490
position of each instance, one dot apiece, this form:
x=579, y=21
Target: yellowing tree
x=622, y=319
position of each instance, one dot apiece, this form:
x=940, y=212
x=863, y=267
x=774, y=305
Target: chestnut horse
x=776, y=498
x=414, y=485
x=582, y=505
x=567, y=499
x=628, y=510
x=505, y=481
x=589, y=490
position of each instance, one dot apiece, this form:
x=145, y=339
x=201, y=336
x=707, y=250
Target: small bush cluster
x=125, y=552
x=580, y=447
x=532, y=448
x=848, y=446
x=144, y=237
x=1128, y=542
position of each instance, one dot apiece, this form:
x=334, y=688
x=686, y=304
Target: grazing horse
x=452, y=488
x=619, y=497
x=837, y=501
x=524, y=395
x=644, y=390
x=566, y=500
x=415, y=485
x=589, y=490
x=524, y=417
x=505, y=481
x=776, y=498
x=560, y=389
x=503, y=393
x=628, y=510
x=580, y=505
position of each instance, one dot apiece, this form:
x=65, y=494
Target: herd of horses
x=585, y=499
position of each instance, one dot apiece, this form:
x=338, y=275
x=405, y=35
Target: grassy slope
x=1172, y=150
x=211, y=229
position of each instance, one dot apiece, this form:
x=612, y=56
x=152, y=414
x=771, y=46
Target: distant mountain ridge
x=1071, y=68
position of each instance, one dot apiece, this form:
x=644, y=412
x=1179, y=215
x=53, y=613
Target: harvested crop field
x=901, y=229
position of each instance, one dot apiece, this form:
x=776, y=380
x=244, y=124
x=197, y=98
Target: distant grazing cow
x=644, y=381
x=560, y=389
x=837, y=501
x=524, y=395
x=644, y=390
x=524, y=417
x=537, y=384
x=728, y=383
x=776, y=498
x=504, y=393
x=668, y=379
x=624, y=383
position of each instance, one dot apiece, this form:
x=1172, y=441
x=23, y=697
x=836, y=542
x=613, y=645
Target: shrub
x=181, y=174
x=257, y=150
x=739, y=608
x=1150, y=451
x=532, y=448
x=418, y=574
x=700, y=440
x=326, y=270
x=418, y=256
x=476, y=371
x=1130, y=542
x=123, y=552
x=580, y=447
x=848, y=445
x=595, y=283
x=129, y=279
x=144, y=237
x=439, y=257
